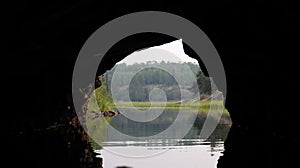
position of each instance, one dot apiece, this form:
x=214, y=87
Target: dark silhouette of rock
x=255, y=43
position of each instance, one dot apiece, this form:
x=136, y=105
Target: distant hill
x=169, y=77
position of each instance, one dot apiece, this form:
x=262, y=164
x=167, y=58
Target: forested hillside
x=139, y=79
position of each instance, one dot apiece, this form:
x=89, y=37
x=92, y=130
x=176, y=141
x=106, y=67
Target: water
x=168, y=150
x=190, y=156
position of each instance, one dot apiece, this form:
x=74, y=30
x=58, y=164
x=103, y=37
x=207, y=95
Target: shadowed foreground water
x=66, y=144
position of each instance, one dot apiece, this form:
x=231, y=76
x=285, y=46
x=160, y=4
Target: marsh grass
x=102, y=100
x=202, y=107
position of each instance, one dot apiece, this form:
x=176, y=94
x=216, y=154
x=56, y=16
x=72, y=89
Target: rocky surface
x=254, y=42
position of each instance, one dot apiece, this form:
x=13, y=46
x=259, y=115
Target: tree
x=203, y=84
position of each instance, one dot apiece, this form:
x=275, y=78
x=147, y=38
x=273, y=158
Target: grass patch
x=100, y=100
x=194, y=106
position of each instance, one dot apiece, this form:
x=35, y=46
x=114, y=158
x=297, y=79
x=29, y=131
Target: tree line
x=170, y=77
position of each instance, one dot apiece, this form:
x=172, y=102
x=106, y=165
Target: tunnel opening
x=139, y=85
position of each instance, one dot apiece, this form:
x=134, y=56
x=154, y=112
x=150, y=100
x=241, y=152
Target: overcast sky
x=172, y=52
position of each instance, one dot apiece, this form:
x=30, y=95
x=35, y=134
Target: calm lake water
x=136, y=151
x=190, y=156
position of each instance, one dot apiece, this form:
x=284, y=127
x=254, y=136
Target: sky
x=169, y=52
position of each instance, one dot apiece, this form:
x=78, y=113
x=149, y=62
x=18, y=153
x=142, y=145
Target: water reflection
x=135, y=152
x=145, y=129
x=65, y=144
x=172, y=156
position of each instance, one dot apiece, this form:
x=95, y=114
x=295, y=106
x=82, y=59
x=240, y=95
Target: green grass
x=103, y=101
x=100, y=100
x=201, y=106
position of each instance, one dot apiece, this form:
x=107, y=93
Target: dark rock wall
x=253, y=40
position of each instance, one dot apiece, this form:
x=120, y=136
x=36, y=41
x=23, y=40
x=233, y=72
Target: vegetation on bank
x=203, y=107
x=100, y=100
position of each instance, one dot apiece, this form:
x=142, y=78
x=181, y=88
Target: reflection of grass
x=97, y=128
x=192, y=106
x=95, y=145
x=100, y=100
